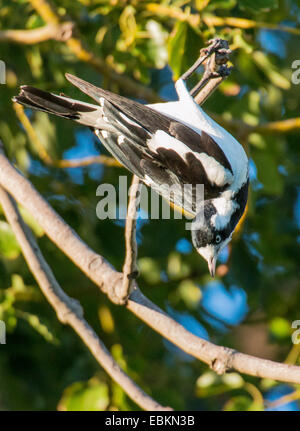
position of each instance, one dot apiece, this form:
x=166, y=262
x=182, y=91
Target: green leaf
x=9, y=246
x=45, y=130
x=183, y=47
x=149, y=269
x=280, y=327
x=34, y=226
x=35, y=323
x=156, y=45
x=190, y=293
x=220, y=4
x=17, y=283
x=176, y=267
x=34, y=21
x=82, y=396
x=270, y=70
x=238, y=403
x=267, y=168
x=233, y=380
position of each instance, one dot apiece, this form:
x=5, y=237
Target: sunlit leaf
x=149, y=269
x=234, y=380
x=270, y=70
x=9, y=246
x=239, y=403
x=268, y=173
x=221, y=4
x=183, y=47
x=190, y=293
x=259, y=5
x=280, y=327
x=106, y=319
x=35, y=322
x=82, y=396
x=177, y=268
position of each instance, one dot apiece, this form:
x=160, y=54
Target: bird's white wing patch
x=162, y=139
x=215, y=172
x=187, y=111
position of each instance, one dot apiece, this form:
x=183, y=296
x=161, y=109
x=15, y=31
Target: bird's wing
x=157, y=148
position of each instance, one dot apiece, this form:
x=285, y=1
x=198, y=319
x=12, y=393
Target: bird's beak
x=212, y=265
x=210, y=255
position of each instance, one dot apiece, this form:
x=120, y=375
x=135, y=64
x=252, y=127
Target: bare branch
x=173, y=12
x=86, y=161
x=273, y=127
x=194, y=19
x=213, y=20
x=61, y=32
x=68, y=310
x=288, y=398
x=130, y=270
x=219, y=358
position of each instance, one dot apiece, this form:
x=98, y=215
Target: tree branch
x=86, y=161
x=76, y=46
x=194, y=19
x=130, y=270
x=60, y=32
x=243, y=129
x=68, y=310
x=213, y=20
x=173, y=12
x=285, y=399
x=219, y=358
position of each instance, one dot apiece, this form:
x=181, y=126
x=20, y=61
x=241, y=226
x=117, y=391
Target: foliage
x=251, y=308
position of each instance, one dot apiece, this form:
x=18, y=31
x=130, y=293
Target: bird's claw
x=221, y=49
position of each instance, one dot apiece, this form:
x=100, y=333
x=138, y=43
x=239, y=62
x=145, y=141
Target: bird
x=167, y=145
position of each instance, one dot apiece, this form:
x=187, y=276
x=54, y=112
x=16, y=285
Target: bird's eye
x=218, y=239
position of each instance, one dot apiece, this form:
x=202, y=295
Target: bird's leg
x=212, y=70
x=215, y=71
x=215, y=45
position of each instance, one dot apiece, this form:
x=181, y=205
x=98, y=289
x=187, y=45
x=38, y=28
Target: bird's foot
x=214, y=57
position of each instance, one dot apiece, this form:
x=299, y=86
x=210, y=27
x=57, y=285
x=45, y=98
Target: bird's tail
x=62, y=106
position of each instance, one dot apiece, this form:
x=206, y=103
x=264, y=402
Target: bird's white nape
x=225, y=206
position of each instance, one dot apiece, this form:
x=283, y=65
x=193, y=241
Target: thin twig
x=195, y=19
x=68, y=310
x=61, y=32
x=194, y=67
x=130, y=270
x=294, y=396
x=86, y=161
x=293, y=354
x=219, y=358
x=242, y=129
x=243, y=23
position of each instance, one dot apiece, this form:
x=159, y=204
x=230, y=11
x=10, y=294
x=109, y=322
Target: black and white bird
x=166, y=145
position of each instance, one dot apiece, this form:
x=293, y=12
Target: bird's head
x=210, y=237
